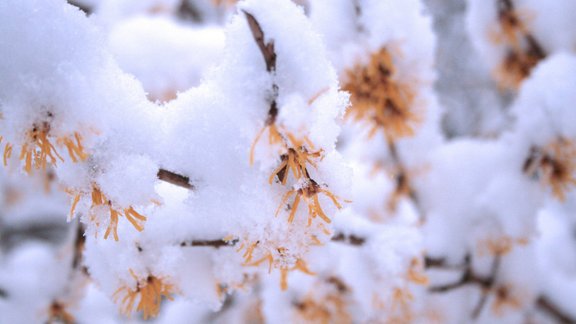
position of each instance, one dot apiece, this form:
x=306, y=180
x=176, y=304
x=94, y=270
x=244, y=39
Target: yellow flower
x=278, y=258
x=554, y=165
x=148, y=293
x=99, y=199
x=379, y=98
x=38, y=152
x=309, y=192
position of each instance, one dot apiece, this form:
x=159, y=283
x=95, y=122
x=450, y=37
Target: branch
x=175, y=179
x=86, y=9
x=267, y=49
x=218, y=243
x=269, y=55
x=209, y=243
x=357, y=15
x=3, y=293
x=468, y=276
x=431, y=262
x=49, y=232
x=78, y=246
x=188, y=11
x=349, y=239
x=58, y=311
x=487, y=286
x=402, y=180
x=506, y=11
x=547, y=306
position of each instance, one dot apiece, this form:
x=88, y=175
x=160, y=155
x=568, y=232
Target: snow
x=285, y=206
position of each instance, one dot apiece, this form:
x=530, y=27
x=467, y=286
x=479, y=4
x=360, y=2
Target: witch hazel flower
x=522, y=50
x=308, y=190
x=100, y=204
x=379, y=98
x=327, y=301
x=554, y=165
x=43, y=148
x=278, y=257
x=146, y=296
x=297, y=152
x=544, y=125
x=502, y=30
x=39, y=148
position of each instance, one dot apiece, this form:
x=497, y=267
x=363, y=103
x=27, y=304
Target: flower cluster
x=148, y=293
x=298, y=159
x=522, y=51
x=554, y=165
x=327, y=302
x=38, y=151
x=276, y=256
x=380, y=98
x=99, y=200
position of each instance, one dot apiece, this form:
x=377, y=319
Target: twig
x=487, y=286
x=58, y=312
x=188, y=11
x=402, y=179
x=209, y=243
x=86, y=9
x=3, y=293
x=506, y=9
x=431, y=263
x=350, y=239
x=357, y=14
x=50, y=232
x=524, y=53
x=267, y=49
x=269, y=56
x=79, y=242
x=175, y=179
x=547, y=306
x=218, y=243
x=469, y=277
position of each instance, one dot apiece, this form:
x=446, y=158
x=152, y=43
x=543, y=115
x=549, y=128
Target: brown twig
x=188, y=11
x=266, y=48
x=487, y=286
x=357, y=14
x=218, y=243
x=269, y=56
x=58, y=310
x=175, y=179
x=469, y=277
x=49, y=232
x=403, y=183
x=486, y=283
x=506, y=10
x=349, y=239
x=524, y=52
x=433, y=262
x=86, y=9
x=79, y=242
x=209, y=243
x=546, y=305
